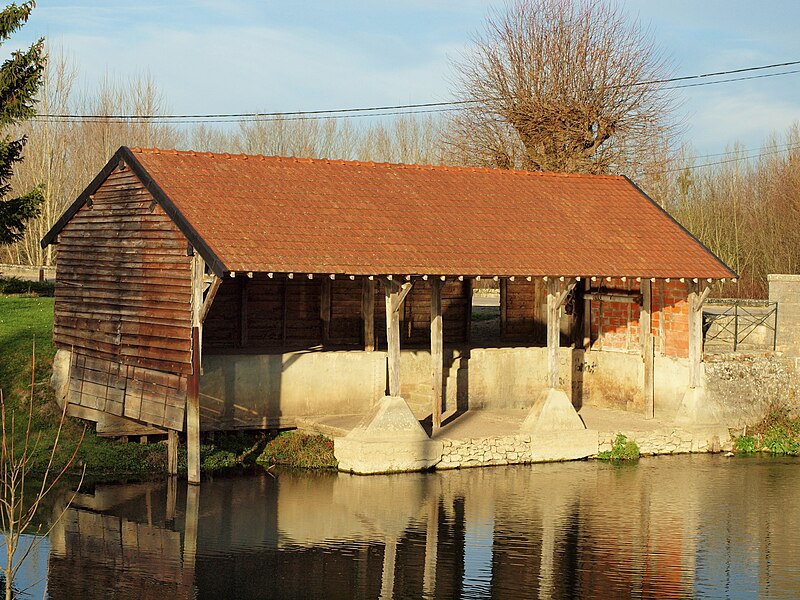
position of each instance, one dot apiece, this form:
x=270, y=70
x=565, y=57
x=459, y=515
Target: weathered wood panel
x=525, y=316
x=137, y=393
x=123, y=288
x=123, y=306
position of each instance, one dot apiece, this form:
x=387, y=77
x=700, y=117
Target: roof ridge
x=374, y=164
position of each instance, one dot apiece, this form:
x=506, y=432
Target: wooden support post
x=392, y=338
x=193, y=412
x=468, y=311
x=646, y=334
x=503, y=306
x=553, y=333
x=243, y=312
x=587, y=315
x=697, y=297
x=172, y=452
x=193, y=387
x=437, y=353
x=325, y=310
x=395, y=295
x=557, y=293
x=368, y=313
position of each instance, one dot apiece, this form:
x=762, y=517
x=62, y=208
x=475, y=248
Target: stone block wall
x=785, y=290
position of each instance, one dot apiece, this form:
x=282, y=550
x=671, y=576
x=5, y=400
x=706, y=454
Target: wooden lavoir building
x=276, y=275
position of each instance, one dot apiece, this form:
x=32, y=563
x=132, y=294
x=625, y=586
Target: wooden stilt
x=646, y=330
x=172, y=452
x=193, y=412
x=437, y=353
x=503, y=306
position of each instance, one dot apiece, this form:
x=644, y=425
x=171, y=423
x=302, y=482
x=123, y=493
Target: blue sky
x=211, y=56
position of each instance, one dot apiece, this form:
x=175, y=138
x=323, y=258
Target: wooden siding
x=268, y=314
x=123, y=305
x=525, y=311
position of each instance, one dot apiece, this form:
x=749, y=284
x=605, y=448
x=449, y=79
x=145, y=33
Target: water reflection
x=677, y=527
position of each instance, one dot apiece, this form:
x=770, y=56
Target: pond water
x=673, y=527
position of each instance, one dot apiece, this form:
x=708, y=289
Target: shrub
x=746, y=444
x=623, y=449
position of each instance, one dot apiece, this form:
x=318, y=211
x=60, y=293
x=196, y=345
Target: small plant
x=746, y=444
x=623, y=449
x=778, y=440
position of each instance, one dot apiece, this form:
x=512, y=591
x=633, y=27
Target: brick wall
x=616, y=310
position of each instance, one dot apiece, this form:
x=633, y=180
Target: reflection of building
x=667, y=528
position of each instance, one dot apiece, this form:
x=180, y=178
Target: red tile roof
x=269, y=214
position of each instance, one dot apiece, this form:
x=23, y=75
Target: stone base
x=389, y=439
x=697, y=409
x=552, y=411
x=551, y=446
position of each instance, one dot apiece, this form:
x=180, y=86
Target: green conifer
x=20, y=77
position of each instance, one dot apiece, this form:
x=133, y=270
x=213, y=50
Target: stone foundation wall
x=746, y=387
x=522, y=448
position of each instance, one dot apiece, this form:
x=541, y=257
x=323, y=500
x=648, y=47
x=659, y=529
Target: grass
x=622, y=450
x=778, y=433
x=297, y=449
x=24, y=316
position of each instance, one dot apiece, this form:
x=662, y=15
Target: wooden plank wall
x=270, y=314
x=123, y=304
x=526, y=315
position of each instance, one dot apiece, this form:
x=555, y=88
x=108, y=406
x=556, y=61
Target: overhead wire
x=387, y=110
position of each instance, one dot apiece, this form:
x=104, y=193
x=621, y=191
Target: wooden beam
x=243, y=313
x=563, y=294
x=368, y=313
x=587, y=316
x=646, y=335
x=553, y=331
x=697, y=297
x=172, y=452
x=437, y=353
x=392, y=294
x=210, y=295
x=193, y=384
x=503, y=306
x=325, y=310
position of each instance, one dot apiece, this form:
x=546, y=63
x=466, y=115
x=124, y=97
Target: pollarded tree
x=561, y=85
x=20, y=77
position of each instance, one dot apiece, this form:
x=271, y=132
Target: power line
x=779, y=150
x=382, y=110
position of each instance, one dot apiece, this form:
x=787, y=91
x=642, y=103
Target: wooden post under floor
x=437, y=353
x=193, y=413
x=172, y=452
x=193, y=385
x=646, y=330
x=368, y=313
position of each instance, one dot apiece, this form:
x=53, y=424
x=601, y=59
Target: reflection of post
x=387, y=579
x=172, y=498
x=431, y=549
x=190, y=538
x=546, y=566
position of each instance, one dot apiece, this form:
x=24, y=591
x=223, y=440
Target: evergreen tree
x=20, y=77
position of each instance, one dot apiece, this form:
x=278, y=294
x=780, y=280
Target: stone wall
x=746, y=387
x=524, y=448
x=785, y=290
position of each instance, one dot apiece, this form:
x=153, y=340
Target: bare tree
x=561, y=85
